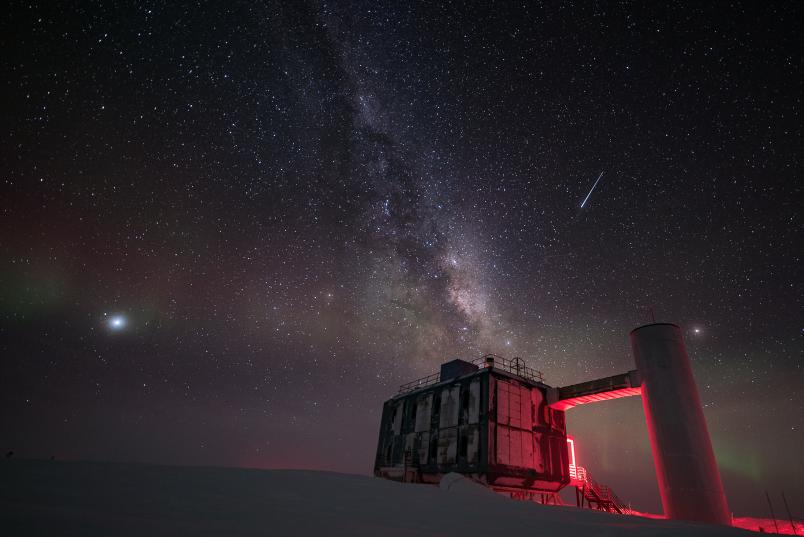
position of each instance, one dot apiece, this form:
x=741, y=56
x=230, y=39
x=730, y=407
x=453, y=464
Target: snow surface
x=112, y=499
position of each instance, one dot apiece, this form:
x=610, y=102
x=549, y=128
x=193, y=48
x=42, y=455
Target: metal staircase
x=595, y=495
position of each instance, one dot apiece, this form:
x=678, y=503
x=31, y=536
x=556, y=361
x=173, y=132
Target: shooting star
x=593, y=189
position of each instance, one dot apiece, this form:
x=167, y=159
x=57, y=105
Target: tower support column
x=686, y=469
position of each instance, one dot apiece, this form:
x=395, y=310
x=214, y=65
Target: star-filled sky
x=230, y=230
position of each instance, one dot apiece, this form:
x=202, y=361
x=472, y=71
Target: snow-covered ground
x=110, y=499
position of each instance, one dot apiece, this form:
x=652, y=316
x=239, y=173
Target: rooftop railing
x=420, y=383
x=515, y=366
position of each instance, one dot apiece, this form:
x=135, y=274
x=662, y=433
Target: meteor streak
x=593, y=189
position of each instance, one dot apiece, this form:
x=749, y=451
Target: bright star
x=117, y=322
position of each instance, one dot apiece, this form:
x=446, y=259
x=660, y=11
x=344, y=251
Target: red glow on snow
x=766, y=525
x=655, y=516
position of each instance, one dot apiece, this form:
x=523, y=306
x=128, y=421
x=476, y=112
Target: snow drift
x=103, y=499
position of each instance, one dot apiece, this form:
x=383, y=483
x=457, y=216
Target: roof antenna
x=792, y=525
x=773, y=516
x=652, y=315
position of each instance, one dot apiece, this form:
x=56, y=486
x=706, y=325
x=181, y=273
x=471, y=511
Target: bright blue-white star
x=117, y=322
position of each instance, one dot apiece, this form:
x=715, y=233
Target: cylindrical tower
x=689, y=480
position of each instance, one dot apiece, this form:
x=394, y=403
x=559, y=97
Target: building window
x=465, y=399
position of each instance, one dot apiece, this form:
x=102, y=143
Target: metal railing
x=577, y=473
x=420, y=383
x=594, y=492
x=515, y=366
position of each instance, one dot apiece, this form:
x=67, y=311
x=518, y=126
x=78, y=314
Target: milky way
x=292, y=209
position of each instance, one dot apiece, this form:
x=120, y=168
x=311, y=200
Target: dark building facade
x=489, y=420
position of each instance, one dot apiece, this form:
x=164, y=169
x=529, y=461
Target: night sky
x=231, y=230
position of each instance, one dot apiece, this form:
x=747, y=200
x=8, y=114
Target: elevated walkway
x=592, y=391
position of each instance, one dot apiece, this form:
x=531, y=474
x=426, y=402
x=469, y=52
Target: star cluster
x=231, y=230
